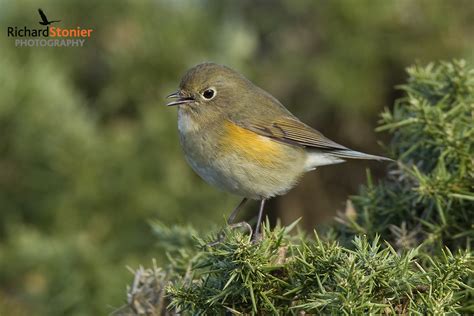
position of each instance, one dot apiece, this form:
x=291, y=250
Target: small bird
x=44, y=19
x=241, y=139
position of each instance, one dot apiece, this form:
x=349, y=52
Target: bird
x=44, y=19
x=241, y=139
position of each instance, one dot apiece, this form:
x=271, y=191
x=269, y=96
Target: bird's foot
x=231, y=226
x=257, y=237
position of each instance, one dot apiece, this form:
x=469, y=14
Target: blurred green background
x=89, y=153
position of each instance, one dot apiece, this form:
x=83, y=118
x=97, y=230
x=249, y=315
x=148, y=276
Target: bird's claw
x=232, y=226
x=257, y=237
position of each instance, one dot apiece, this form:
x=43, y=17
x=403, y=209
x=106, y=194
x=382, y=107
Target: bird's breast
x=238, y=160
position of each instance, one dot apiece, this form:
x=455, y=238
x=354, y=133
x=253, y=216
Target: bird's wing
x=43, y=16
x=290, y=130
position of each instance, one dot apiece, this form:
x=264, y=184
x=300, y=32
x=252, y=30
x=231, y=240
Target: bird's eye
x=209, y=93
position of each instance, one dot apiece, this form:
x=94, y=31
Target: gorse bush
x=423, y=211
x=428, y=197
x=286, y=274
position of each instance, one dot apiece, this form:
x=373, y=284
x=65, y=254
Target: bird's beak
x=181, y=99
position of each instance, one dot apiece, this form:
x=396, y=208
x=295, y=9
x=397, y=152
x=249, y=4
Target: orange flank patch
x=250, y=145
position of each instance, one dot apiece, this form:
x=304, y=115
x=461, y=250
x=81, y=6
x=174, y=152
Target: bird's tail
x=352, y=154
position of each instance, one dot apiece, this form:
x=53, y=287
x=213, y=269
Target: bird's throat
x=188, y=121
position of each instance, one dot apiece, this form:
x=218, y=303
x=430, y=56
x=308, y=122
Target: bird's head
x=209, y=87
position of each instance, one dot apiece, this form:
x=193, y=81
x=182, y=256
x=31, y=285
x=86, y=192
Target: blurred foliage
x=88, y=154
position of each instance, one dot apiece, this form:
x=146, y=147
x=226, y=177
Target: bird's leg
x=234, y=213
x=230, y=221
x=256, y=235
x=236, y=210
